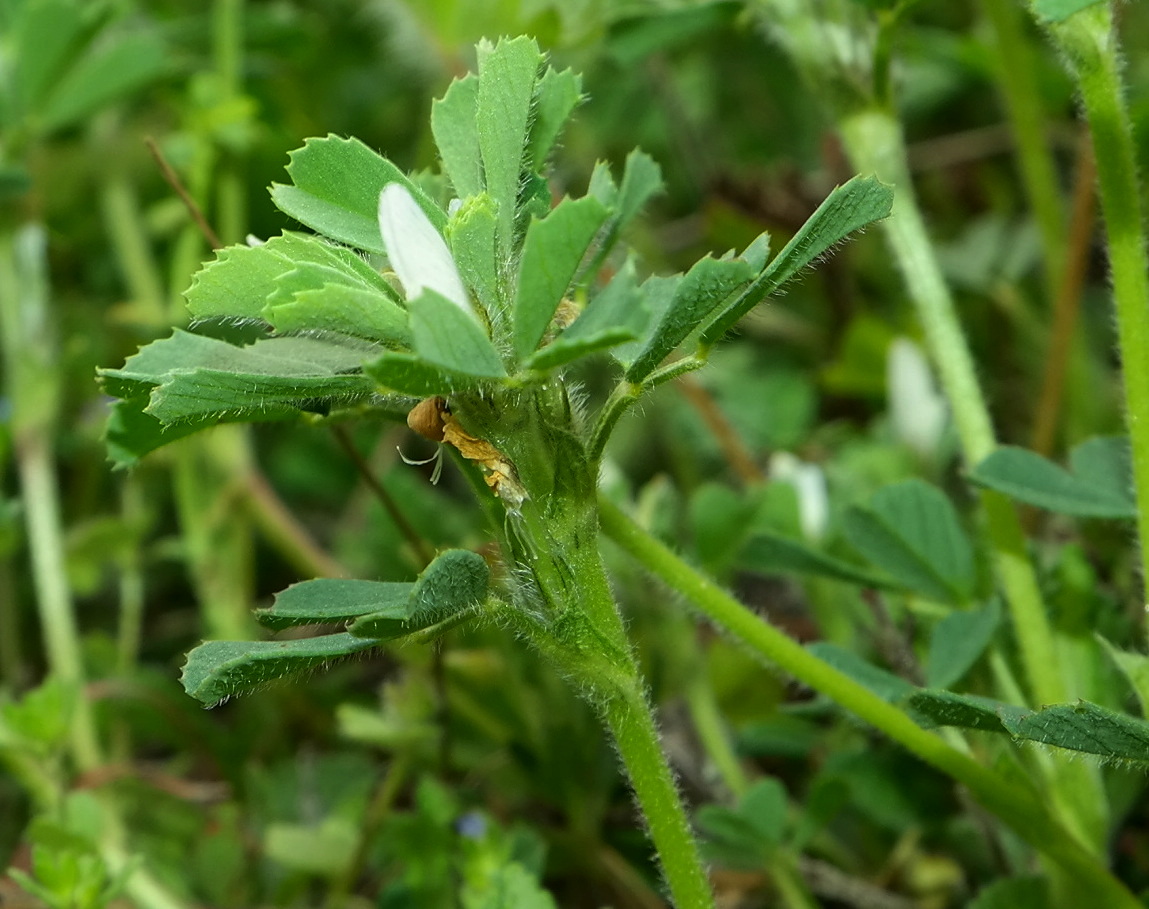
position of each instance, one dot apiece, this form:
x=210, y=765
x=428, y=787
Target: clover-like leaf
x=336, y=191
x=507, y=75
x=1099, y=485
x=695, y=296
x=850, y=207
x=216, y=670
x=552, y=251
x=455, y=581
x=912, y=532
x=326, y=600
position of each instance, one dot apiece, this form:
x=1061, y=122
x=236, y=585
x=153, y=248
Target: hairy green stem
x=873, y=139
x=1014, y=58
x=632, y=726
x=1089, y=43
x=627, y=711
x=1015, y=805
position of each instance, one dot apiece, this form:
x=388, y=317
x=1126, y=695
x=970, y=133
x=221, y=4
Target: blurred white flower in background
x=418, y=253
x=809, y=483
x=918, y=411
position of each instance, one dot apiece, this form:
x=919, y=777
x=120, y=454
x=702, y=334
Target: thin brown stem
x=176, y=183
x=735, y=452
x=1082, y=221
x=280, y=526
x=422, y=550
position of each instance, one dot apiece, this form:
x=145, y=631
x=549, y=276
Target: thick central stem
x=552, y=535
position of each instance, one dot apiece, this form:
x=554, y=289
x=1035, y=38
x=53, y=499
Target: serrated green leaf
x=1085, y=727
x=189, y=377
x=336, y=191
x=957, y=642
x=641, y=182
x=454, y=124
x=911, y=531
x=1082, y=726
x=455, y=581
x=471, y=235
x=447, y=336
x=335, y=600
x=360, y=312
x=200, y=393
x=557, y=95
x=616, y=315
x=216, y=670
x=968, y=711
x=850, y=207
x=1098, y=487
x=552, y=251
x=131, y=433
x=507, y=75
x=881, y=682
x=602, y=185
x=236, y=284
x=757, y=252
x=657, y=294
x=108, y=71
x=771, y=553
x=705, y=286
x=239, y=281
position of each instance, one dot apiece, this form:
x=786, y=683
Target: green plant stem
x=1089, y=43
x=1014, y=804
x=632, y=726
x=608, y=676
x=217, y=537
x=32, y=387
x=626, y=393
x=1015, y=60
x=873, y=139
x=227, y=46
x=792, y=889
x=712, y=731
x=124, y=221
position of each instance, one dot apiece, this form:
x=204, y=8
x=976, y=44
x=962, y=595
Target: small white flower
x=810, y=484
x=417, y=252
x=918, y=411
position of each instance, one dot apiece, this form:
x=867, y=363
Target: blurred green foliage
x=468, y=774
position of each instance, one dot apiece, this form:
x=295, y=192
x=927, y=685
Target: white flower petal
x=418, y=253
x=917, y=410
x=810, y=484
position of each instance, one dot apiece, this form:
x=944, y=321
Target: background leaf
x=1097, y=488
x=911, y=531
x=957, y=642
x=772, y=553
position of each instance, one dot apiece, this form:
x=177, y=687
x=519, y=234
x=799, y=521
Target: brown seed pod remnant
x=432, y=419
